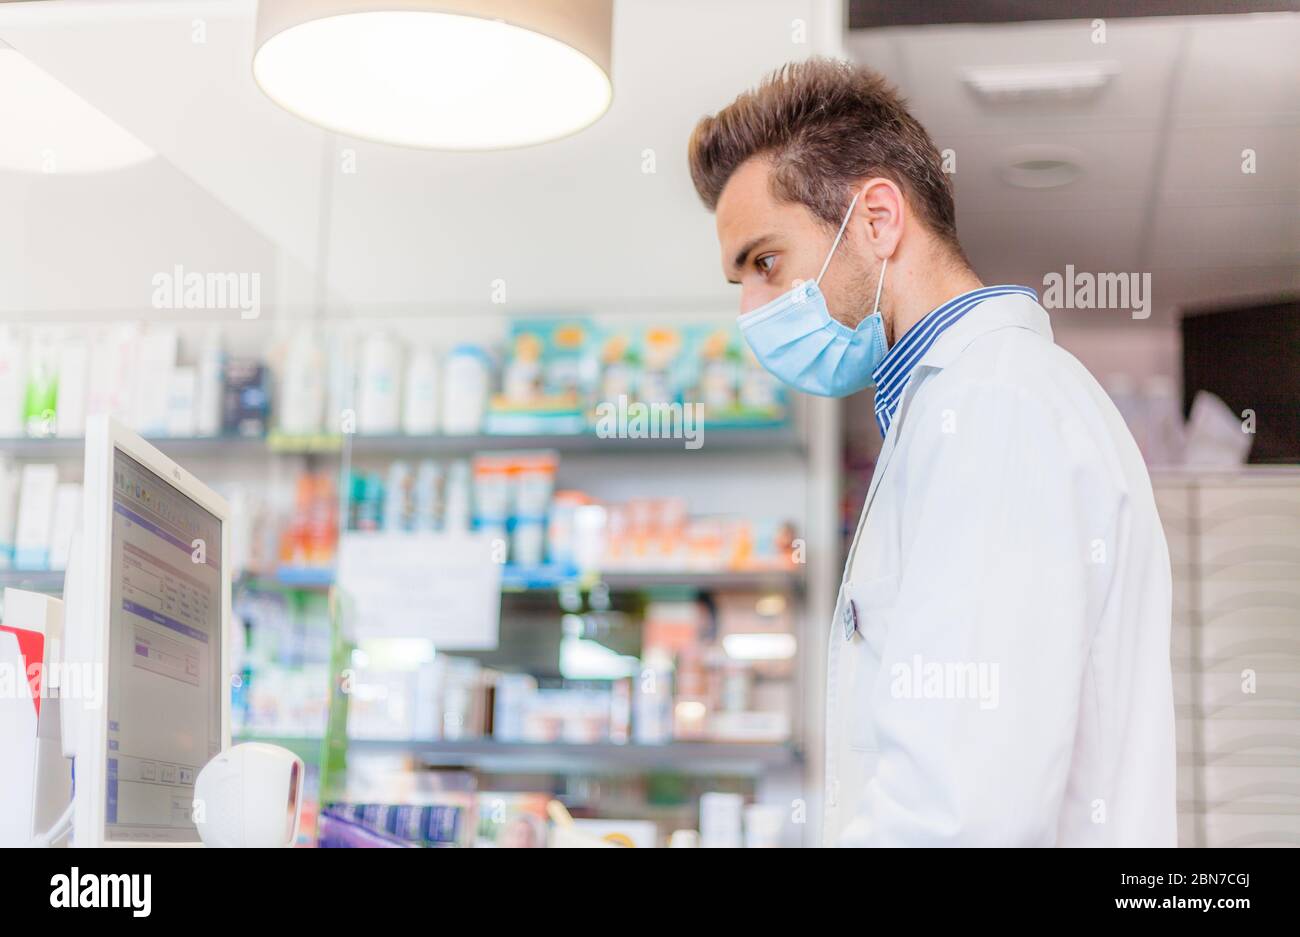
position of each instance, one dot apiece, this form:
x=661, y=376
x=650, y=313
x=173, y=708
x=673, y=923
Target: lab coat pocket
x=869, y=609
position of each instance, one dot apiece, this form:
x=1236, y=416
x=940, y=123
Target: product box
x=181, y=404
x=511, y=820
x=155, y=360
x=728, y=380
x=33, y=538
x=13, y=382
x=246, y=405
x=67, y=518
x=547, y=380
x=10, y=481
x=35, y=778
x=74, y=366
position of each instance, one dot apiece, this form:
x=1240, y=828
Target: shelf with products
x=774, y=438
x=259, y=450
x=49, y=581
x=711, y=758
x=488, y=756
x=546, y=579
x=546, y=535
x=401, y=386
x=778, y=437
x=583, y=675
x=177, y=447
x=513, y=580
x=541, y=534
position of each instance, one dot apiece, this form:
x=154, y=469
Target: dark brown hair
x=825, y=124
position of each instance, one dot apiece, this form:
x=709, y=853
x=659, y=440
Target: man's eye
x=764, y=263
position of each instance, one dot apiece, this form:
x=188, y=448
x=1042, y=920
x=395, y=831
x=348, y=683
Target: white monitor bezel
x=103, y=437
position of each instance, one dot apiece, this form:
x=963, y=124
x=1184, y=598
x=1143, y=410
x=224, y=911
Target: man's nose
x=752, y=298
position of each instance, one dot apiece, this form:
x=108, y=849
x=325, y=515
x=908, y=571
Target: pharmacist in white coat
x=998, y=668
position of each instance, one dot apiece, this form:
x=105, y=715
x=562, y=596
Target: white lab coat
x=1008, y=679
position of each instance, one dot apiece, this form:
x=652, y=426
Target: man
x=999, y=660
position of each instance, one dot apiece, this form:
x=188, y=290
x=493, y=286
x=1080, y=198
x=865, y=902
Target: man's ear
x=884, y=212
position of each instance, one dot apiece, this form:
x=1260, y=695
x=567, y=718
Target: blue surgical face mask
x=797, y=340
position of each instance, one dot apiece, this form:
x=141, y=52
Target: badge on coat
x=850, y=617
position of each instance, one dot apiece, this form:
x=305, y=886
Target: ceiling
x=607, y=220
x=1162, y=188
x=868, y=13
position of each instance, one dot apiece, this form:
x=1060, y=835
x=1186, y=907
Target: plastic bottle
x=379, y=392
x=420, y=400
x=13, y=380
x=302, y=393
x=209, y=391
x=465, y=385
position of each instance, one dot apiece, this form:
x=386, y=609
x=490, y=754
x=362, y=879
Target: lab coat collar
x=1015, y=311
x=1000, y=312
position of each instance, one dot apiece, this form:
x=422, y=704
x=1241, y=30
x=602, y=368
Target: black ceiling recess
x=864, y=14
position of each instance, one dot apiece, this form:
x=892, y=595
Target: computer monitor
x=152, y=599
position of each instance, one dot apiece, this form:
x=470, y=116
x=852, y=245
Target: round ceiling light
x=438, y=74
x=1041, y=166
x=48, y=128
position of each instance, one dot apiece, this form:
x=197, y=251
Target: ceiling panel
x=1241, y=69
x=1116, y=171
x=935, y=59
x=1090, y=240
x=1234, y=234
x=1204, y=166
x=1162, y=189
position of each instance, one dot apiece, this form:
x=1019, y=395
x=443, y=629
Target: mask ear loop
x=880, y=285
x=843, y=224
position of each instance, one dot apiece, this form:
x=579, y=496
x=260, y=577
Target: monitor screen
x=164, y=664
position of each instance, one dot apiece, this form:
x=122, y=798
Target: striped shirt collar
x=896, y=367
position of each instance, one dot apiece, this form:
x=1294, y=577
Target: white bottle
x=180, y=403
x=42, y=381
x=74, y=367
x=9, y=483
x=379, y=401
x=156, y=358
x=721, y=821
x=302, y=393
x=456, y=506
x=420, y=396
x=209, y=386
x=341, y=390
x=465, y=390
x=113, y=366
x=13, y=383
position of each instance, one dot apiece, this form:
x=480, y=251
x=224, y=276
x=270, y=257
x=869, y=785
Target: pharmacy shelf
x=730, y=759
x=513, y=579
x=782, y=438
x=176, y=447
x=725, y=579
x=50, y=581
x=306, y=747
x=776, y=439
x=544, y=579
x=740, y=759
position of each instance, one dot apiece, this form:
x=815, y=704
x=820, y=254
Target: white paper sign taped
x=442, y=587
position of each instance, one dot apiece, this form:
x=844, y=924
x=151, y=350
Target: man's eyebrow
x=743, y=254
